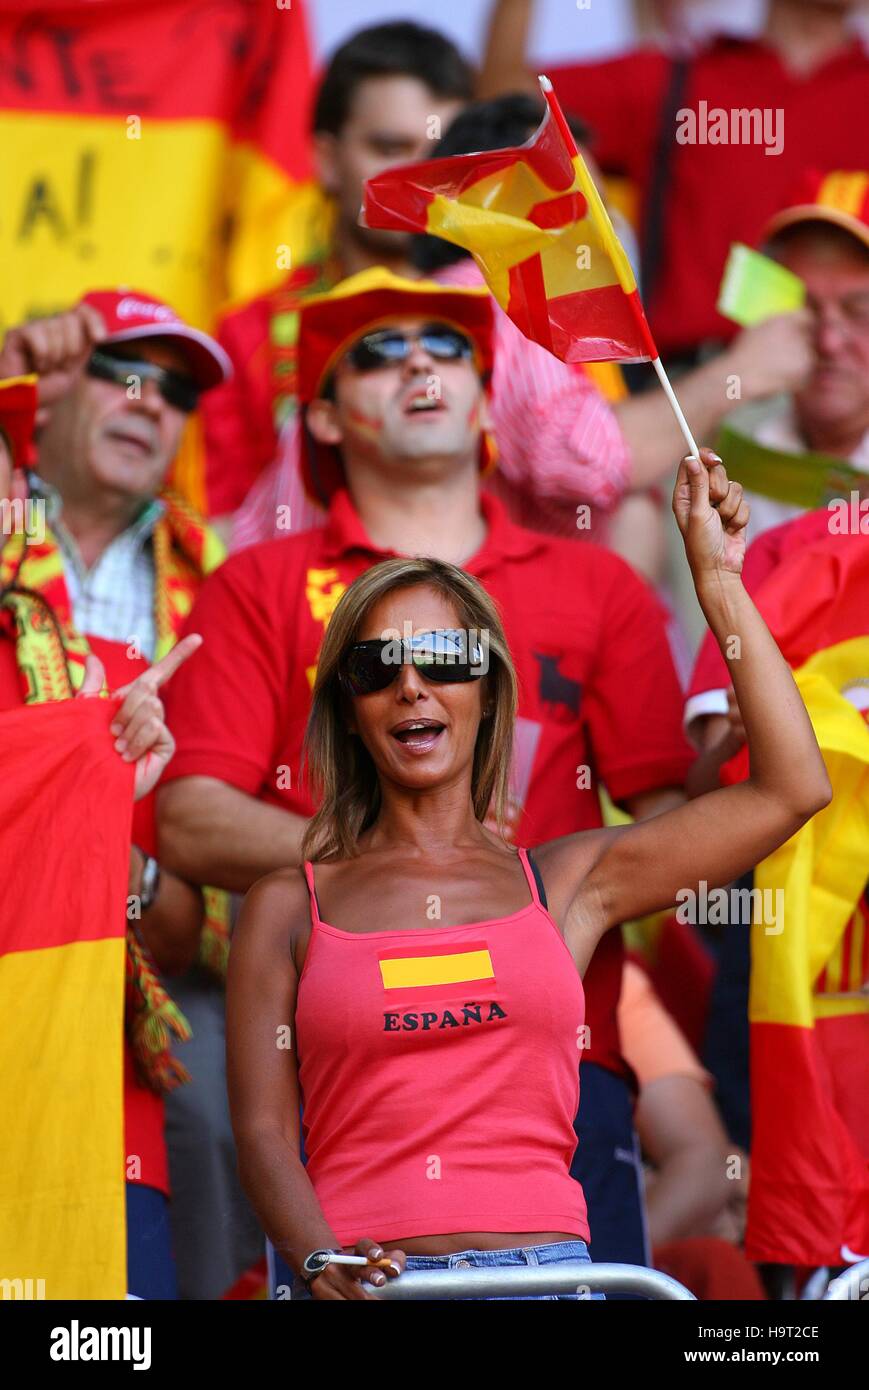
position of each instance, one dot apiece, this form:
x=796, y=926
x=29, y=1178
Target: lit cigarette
x=361, y=1260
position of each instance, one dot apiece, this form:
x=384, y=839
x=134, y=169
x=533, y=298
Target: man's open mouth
x=423, y=405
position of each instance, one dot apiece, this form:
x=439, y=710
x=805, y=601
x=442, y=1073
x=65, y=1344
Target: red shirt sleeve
x=634, y=703
x=621, y=100
x=224, y=706
x=237, y=421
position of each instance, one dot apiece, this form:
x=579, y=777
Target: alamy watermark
x=719, y=907
x=743, y=125
x=849, y=516
x=23, y=516
x=471, y=646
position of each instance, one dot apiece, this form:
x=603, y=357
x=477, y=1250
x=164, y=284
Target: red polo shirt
x=143, y=1109
x=597, y=685
x=717, y=193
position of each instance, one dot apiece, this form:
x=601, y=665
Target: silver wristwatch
x=316, y=1262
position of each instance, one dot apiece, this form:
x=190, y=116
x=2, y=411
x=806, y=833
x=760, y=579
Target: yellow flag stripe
x=607, y=377
x=67, y=228
x=604, y=228
x=62, y=1217
x=405, y=972
x=820, y=871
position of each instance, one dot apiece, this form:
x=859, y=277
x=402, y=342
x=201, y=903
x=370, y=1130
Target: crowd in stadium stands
x=326, y=454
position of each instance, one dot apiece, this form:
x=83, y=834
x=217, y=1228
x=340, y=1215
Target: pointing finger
x=159, y=673
x=180, y=653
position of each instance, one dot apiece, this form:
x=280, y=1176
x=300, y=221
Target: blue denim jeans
x=497, y=1259
x=150, y=1262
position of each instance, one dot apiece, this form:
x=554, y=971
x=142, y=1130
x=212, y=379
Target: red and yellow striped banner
x=65, y=816
x=808, y=1014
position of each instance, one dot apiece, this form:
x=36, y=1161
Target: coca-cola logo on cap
x=131, y=308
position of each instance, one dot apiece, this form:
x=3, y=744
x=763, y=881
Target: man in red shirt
x=821, y=235
x=383, y=99
x=396, y=430
x=715, y=139
x=106, y=560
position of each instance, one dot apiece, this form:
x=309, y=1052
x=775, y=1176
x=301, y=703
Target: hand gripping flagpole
x=558, y=115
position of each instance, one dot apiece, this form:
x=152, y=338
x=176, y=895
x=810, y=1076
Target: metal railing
x=568, y=1276
x=854, y=1283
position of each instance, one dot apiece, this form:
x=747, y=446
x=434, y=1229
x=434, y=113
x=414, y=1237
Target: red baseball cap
x=840, y=197
x=129, y=314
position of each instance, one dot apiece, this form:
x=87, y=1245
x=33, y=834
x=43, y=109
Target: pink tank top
x=439, y=1073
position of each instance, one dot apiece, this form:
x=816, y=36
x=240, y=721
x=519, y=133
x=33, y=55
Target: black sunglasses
x=444, y=655
x=177, y=390
x=389, y=346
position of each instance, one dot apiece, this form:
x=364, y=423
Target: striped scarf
x=51, y=657
x=285, y=305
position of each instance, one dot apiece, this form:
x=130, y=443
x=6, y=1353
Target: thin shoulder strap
x=535, y=882
x=315, y=906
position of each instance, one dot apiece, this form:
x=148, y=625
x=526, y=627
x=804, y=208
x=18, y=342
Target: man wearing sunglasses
x=112, y=572
x=393, y=378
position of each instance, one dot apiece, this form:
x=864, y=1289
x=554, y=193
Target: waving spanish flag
x=808, y=997
x=66, y=802
x=535, y=224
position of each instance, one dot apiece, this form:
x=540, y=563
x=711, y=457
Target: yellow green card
x=755, y=288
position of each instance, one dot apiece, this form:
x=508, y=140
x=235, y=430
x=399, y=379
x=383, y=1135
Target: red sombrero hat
x=330, y=322
x=841, y=197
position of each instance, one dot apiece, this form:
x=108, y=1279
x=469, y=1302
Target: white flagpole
x=676, y=407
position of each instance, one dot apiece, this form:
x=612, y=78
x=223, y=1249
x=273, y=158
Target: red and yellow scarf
x=51, y=656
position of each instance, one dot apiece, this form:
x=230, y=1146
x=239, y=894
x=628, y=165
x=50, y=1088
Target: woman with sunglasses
x=417, y=989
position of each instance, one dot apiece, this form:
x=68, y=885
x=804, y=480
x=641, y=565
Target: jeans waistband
x=496, y=1259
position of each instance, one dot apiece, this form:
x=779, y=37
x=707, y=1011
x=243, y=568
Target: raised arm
x=505, y=62
x=629, y=871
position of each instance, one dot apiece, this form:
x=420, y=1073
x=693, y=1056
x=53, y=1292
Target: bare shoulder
x=275, y=908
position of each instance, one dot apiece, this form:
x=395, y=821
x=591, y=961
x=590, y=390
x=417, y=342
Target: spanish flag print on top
x=447, y=968
x=536, y=226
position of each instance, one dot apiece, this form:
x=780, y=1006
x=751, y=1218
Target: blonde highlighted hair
x=339, y=766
